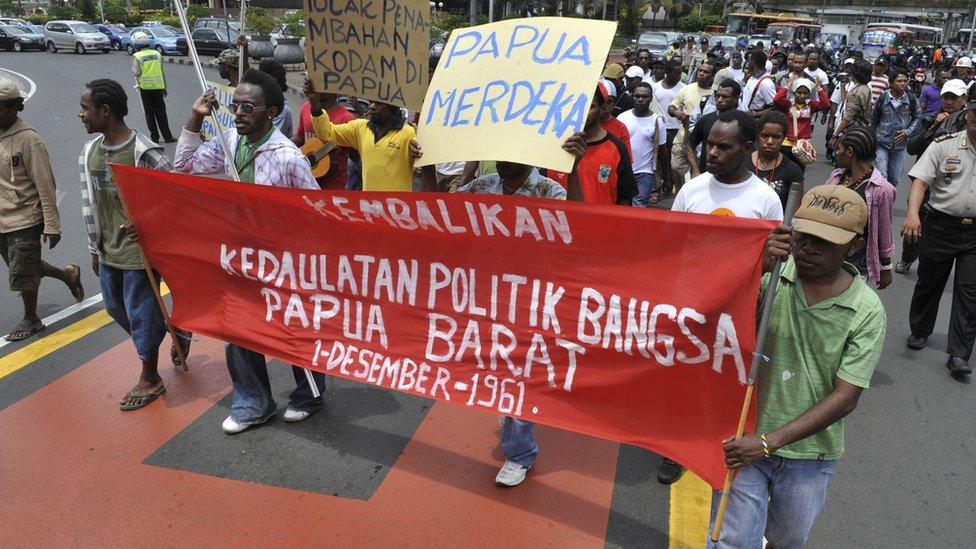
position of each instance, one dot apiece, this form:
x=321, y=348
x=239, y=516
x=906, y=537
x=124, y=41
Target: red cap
x=604, y=94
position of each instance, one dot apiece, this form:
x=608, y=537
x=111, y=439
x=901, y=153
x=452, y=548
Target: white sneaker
x=511, y=474
x=231, y=427
x=294, y=416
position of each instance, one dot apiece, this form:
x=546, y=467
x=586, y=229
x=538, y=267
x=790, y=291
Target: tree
x=87, y=9
x=629, y=14
x=115, y=11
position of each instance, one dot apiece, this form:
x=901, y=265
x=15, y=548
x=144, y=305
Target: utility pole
x=473, y=8
x=972, y=24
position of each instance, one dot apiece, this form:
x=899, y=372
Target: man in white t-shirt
x=647, y=138
x=728, y=187
x=664, y=92
x=757, y=96
x=813, y=70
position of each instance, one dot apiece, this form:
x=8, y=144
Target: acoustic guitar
x=317, y=153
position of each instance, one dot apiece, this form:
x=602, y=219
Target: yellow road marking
x=691, y=500
x=51, y=343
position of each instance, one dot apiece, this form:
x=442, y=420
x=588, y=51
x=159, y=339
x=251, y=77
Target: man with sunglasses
x=264, y=156
x=385, y=142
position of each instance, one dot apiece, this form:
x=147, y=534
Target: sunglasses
x=246, y=108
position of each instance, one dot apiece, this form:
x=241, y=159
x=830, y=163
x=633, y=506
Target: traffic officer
x=147, y=66
x=948, y=236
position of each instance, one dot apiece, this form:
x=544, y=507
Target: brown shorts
x=21, y=251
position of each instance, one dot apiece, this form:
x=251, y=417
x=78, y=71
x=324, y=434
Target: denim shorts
x=130, y=301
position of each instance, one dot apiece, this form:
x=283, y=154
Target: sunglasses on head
x=246, y=108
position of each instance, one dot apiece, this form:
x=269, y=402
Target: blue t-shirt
x=932, y=99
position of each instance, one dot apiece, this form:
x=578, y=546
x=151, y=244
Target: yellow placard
x=513, y=90
x=225, y=96
x=376, y=50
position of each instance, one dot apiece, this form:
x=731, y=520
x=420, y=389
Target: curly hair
x=106, y=92
x=273, y=97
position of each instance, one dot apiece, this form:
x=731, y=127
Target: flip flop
x=146, y=399
x=24, y=331
x=76, y=289
x=654, y=198
x=174, y=356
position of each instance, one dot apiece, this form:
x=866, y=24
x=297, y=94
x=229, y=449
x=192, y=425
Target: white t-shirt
x=646, y=134
x=763, y=96
x=817, y=75
x=836, y=100
x=751, y=198
x=664, y=97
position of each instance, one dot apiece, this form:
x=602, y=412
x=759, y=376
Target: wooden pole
x=757, y=361
x=240, y=62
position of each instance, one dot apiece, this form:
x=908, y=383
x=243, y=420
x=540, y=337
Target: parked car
x=16, y=38
x=656, y=42
x=160, y=39
x=727, y=41
x=113, y=35
x=76, y=35
x=208, y=41
x=217, y=23
x=13, y=21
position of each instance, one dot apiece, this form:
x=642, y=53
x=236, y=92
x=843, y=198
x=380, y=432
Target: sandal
x=185, y=338
x=654, y=198
x=25, y=330
x=144, y=401
x=75, y=287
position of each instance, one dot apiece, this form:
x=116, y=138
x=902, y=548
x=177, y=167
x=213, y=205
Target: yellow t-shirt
x=387, y=164
x=688, y=100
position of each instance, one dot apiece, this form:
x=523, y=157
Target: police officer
x=948, y=236
x=147, y=66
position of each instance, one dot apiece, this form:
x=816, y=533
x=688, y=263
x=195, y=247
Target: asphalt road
x=908, y=478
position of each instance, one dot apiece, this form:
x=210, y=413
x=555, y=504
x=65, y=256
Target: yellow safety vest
x=150, y=70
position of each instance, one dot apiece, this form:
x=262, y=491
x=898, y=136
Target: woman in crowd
x=854, y=157
x=768, y=161
x=799, y=108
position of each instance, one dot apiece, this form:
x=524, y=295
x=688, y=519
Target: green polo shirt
x=808, y=348
x=246, y=154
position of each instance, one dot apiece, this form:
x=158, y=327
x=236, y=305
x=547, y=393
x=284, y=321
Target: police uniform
x=147, y=65
x=948, y=167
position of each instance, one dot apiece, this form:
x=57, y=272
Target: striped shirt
x=878, y=86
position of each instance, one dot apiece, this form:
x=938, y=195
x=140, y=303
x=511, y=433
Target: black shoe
x=915, y=342
x=902, y=268
x=669, y=471
x=958, y=366
x=171, y=140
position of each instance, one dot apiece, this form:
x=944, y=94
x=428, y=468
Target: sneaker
x=511, y=474
x=293, y=415
x=231, y=427
x=669, y=471
x=902, y=268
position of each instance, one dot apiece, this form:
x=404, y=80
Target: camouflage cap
x=229, y=58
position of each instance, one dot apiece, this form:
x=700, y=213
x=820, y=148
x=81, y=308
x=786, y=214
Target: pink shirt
x=881, y=199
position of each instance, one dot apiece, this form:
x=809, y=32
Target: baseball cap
x=634, y=72
x=604, y=93
x=9, y=91
x=955, y=86
x=964, y=62
x=611, y=89
x=229, y=58
x=881, y=60
x=849, y=61
x=613, y=70
x=832, y=212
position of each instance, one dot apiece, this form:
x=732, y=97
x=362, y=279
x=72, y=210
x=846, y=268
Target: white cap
x=634, y=72
x=769, y=65
x=955, y=87
x=964, y=62
x=611, y=89
x=849, y=61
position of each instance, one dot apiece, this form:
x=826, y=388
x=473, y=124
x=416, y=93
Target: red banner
x=629, y=324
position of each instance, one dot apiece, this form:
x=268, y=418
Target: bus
x=877, y=41
x=787, y=32
x=963, y=36
x=926, y=36
x=756, y=23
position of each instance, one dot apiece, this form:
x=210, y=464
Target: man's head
x=600, y=99
x=643, y=95
x=613, y=71
x=898, y=80
x=512, y=171
x=857, y=145
x=798, y=63
x=861, y=71
x=964, y=67
x=140, y=40
x=758, y=62
x=11, y=103
x=941, y=77
x=736, y=61
x=634, y=76
x=759, y=46
x=727, y=95
x=828, y=228
x=880, y=66
x=103, y=103
x=730, y=142
x=672, y=72
x=703, y=44
x=228, y=63
x=611, y=99
x=257, y=100
x=659, y=68
x=953, y=95
x=644, y=58
x=813, y=60
x=771, y=133
x=706, y=74
x=970, y=107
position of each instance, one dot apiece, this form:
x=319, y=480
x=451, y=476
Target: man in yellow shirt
x=386, y=143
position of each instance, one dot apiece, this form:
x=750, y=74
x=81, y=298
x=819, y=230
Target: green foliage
x=115, y=11
x=172, y=21
x=441, y=26
x=690, y=23
x=294, y=23
x=63, y=12
x=9, y=7
x=711, y=19
x=259, y=21
x=629, y=14
x=39, y=18
x=87, y=10
x=196, y=11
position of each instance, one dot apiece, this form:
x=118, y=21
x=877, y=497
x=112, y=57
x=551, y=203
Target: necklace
x=764, y=166
x=855, y=184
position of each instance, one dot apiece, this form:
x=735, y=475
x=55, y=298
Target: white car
x=76, y=35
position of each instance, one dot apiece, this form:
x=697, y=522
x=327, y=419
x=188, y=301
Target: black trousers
x=909, y=249
x=946, y=240
x=155, y=106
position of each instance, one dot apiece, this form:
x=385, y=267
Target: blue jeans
x=890, y=163
x=777, y=497
x=354, y=178
x=646, y=184
x=130, y=301
x=251, y=400
x=518, y=441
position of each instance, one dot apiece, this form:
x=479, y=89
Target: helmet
x=140, y=39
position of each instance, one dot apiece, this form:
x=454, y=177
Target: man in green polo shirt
x=825, y=336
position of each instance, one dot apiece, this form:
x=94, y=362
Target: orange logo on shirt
x=723, y=211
